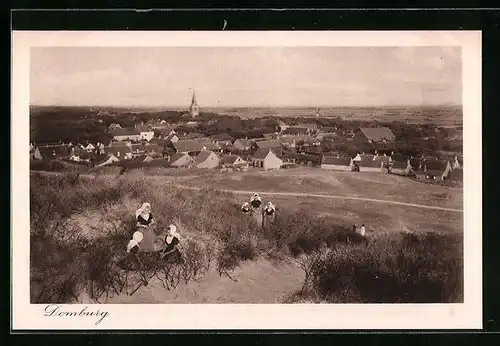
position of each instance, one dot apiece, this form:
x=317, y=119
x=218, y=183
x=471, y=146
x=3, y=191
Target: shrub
x=391, y=269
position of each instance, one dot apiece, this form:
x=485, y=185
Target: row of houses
x=379, y=134
x=421, y=168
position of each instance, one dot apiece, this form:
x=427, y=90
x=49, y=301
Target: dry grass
x=79, y=229
x=318, y=181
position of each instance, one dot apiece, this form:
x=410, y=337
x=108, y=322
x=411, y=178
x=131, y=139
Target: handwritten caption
x=56, y=310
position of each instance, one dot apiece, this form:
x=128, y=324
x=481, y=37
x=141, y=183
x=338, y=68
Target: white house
x=267, y=159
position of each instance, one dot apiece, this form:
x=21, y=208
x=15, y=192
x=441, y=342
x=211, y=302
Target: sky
x=246, y=76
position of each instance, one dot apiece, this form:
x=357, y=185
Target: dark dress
x=149, y=236
x=256, y=203
x=269, y=211
x=171, y=252
x=170, y=247
x=144, y=222
x=134, y=249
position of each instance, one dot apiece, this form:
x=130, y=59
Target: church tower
x=194, y=110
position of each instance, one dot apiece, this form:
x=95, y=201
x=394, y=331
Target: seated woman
x=143, y=216
x=256, y=201
x=171, y=241
x=133, y=244
x=144, y=220
x=245, y=208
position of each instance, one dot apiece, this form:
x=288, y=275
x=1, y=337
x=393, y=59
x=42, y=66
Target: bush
x=391, y=269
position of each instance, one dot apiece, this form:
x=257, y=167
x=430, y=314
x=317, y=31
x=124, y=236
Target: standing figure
x=362, y=231
x=144, y=220
x=256, y=210
x=245, y=208
x=256, y=201
x=269, y=213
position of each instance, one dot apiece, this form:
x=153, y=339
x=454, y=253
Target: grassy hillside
x=80, y=227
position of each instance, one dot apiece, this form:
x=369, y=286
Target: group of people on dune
x=145, y=239
x=263, y=216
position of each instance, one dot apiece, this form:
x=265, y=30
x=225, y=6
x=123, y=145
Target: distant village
x=158, y=143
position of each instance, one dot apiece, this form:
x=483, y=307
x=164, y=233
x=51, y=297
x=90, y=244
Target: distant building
x=194, y=109
x=138, y=149
x=271, y=144
x=375, y=134
x=194, y=146
x=433, y=169
x=242, y=144
x=146, y=133
x=294, y=131
x=374, y=163
x=48, y=153
x=401, y=167
x=457, y=164
x=311, y=128
x=282, y=126
x=121, y=153
x=114, y=126
x=126, y=134
x=232, y=161
x=336, y=163
x=206, y=159
x=166, y=132
x=109, y=160
x=148, y=159
x=180, y=160
x=153, y=150
x=226, y=146
x=266, y=159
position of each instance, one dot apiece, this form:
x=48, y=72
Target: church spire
x=193, y=101
x=194, y=109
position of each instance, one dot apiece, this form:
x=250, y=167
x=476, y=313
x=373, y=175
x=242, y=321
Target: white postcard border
x=253, y=316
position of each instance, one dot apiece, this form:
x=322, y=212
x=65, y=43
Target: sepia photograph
x=246, y=174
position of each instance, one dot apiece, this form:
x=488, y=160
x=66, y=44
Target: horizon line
x=252, y=106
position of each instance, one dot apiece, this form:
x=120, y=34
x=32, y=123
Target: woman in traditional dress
x=269, y=213
x=144, y=220
x=256, y=210
x=133, y=244
x=256, y=201
x=245, y=208
x=172, y=239
x=143, y=216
